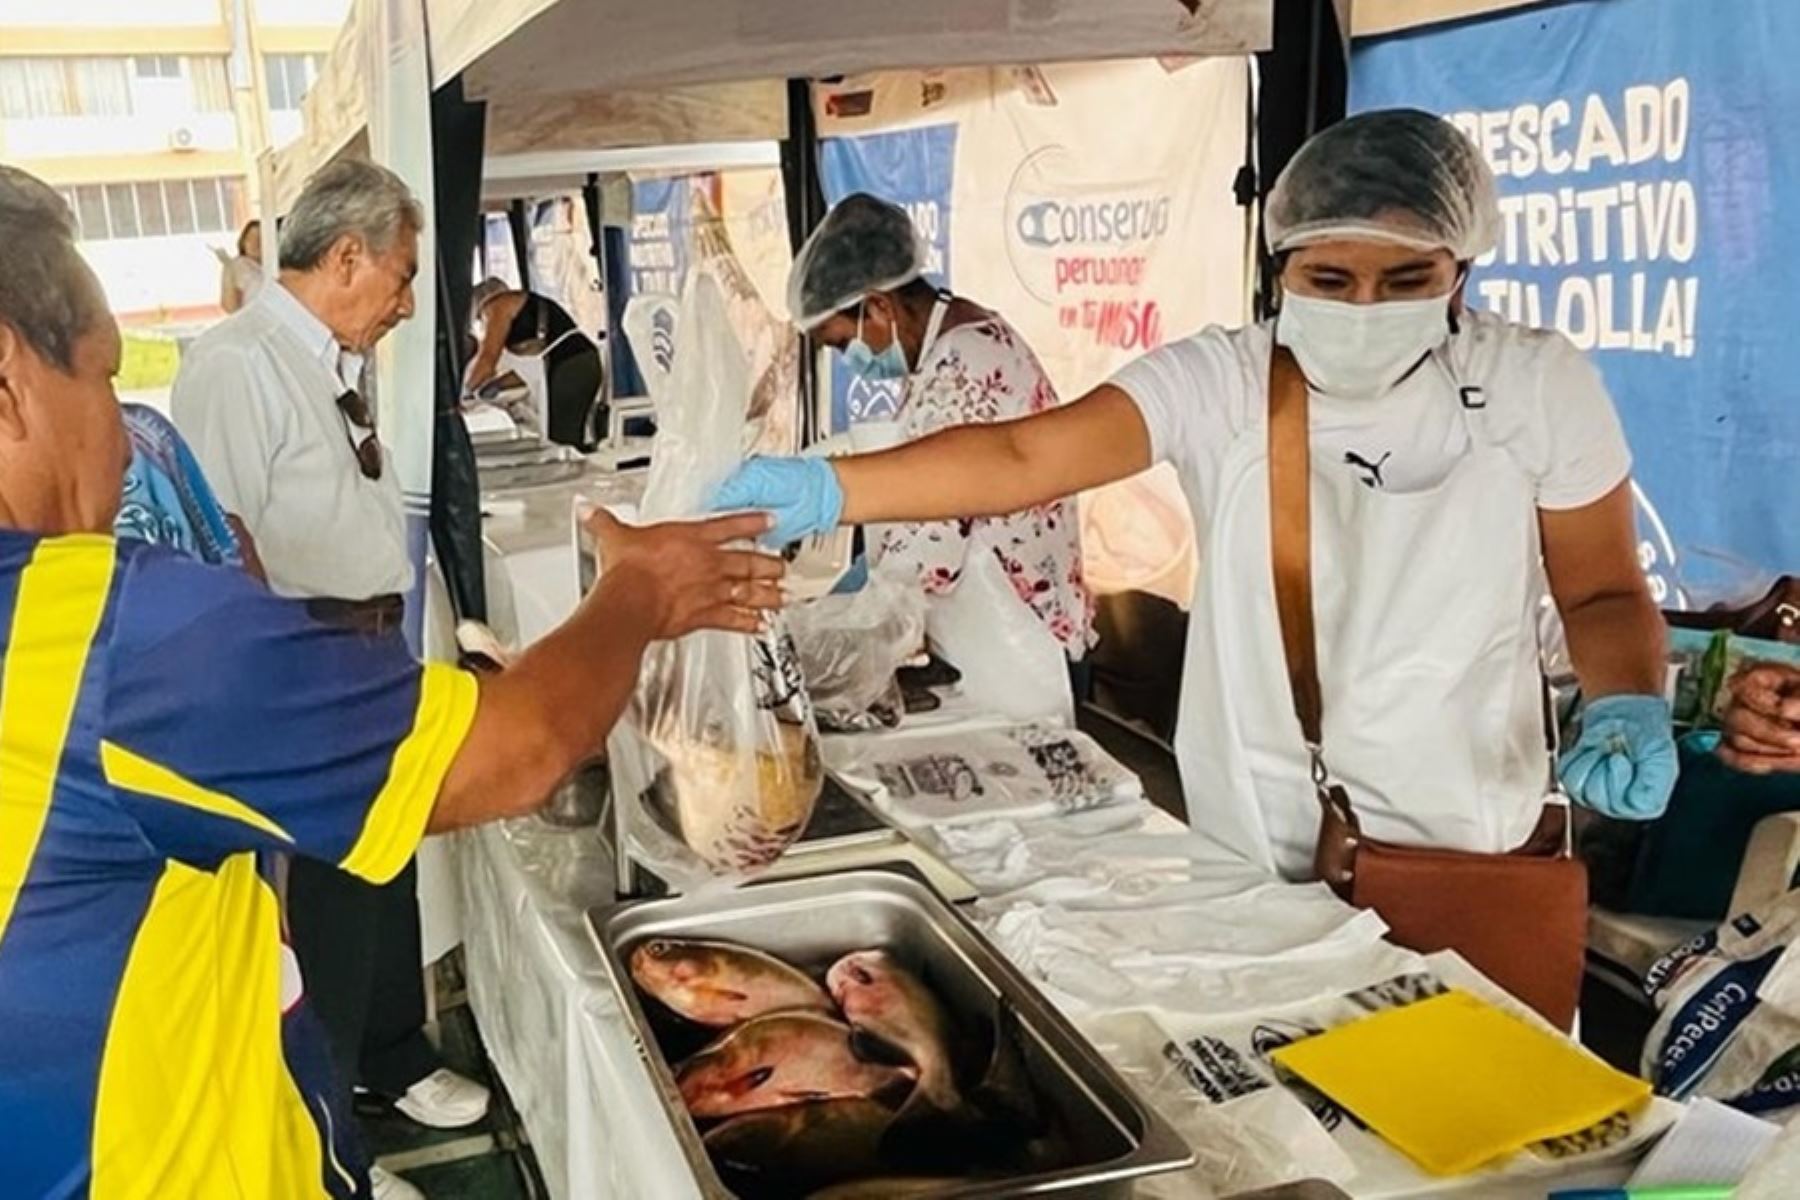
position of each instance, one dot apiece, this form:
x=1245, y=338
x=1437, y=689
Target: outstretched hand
x=692, y=574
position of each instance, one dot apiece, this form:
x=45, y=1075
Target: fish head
x=722, y=1077
x=864, y=985
x=662, y=964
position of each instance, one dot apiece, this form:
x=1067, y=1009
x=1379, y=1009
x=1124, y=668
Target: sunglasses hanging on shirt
x=368, y=448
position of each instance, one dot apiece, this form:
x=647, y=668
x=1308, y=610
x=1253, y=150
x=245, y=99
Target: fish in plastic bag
x=719, y=749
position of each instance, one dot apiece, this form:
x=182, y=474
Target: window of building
x=64, y=87
x=31, y=87
x=210, y=213
x=90, y=212
x=102, y=86
x=153, y=216
x=212, y=86
x=107, y=211
x=158, y=66
x=290, y=77
x=121, y=209
x=179, y=199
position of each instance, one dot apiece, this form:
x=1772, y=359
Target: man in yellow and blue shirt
x=167, y=727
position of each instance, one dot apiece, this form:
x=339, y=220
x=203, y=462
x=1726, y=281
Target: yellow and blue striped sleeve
x=233, y=722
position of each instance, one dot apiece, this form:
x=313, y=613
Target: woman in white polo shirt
x=1459, y=465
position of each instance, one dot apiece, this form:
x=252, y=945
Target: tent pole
x=612, y=255
x=521, y=236
x=805, y=193
x=1304, y=86
x=458, y=131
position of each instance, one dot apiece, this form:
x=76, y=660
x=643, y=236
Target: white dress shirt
x=256, y=398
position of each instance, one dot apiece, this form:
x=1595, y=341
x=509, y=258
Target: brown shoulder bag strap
x=1290, y=537
x=1290, y=545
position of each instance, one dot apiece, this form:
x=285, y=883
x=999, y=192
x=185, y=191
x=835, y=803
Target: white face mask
x=1360, y=351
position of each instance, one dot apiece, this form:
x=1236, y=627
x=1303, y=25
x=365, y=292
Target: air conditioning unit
x=181, y=138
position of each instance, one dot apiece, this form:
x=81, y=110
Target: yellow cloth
x=1455, y=1083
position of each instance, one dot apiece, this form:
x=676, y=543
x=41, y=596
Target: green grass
x=149, y=363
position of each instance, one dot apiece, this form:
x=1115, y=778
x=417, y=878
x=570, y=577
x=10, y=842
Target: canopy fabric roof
x=563, y=75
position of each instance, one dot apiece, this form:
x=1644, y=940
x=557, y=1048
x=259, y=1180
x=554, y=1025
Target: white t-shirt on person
x=1545, y=404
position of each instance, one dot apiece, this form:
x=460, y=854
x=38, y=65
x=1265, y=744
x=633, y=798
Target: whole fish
x=780, y=1059
x=719, y=983
x=802, y=1146
x=883, y=1000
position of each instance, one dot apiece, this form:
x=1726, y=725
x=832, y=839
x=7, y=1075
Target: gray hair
x=348, y=198
x=47, y=293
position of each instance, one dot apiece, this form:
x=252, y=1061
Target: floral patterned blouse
x=979, y=373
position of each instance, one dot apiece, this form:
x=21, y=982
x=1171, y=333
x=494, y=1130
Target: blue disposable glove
x=1625, y=763
x=802, y=494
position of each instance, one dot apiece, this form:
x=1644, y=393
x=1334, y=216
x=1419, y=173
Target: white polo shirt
x=257, y=400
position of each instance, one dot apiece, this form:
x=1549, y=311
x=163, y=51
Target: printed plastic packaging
x=1017, y=771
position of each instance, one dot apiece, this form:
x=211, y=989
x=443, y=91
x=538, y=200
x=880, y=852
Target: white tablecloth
x=1120, y=909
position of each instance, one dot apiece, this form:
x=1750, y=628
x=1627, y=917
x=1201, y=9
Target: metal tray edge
x=1158, y=1149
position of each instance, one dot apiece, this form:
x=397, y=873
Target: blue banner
x=1648, y=156
x=661, y=235
x=915, y=169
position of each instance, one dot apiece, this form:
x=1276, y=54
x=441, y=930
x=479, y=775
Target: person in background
x=1463, y=466
x=1762, y=722
x=858, y=286
x=241, y=277
x=167, y=501
x=171, y=727
x=271, y=402
x=527, y=340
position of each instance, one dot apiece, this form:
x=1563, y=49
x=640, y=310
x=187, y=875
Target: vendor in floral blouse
x=858, y=286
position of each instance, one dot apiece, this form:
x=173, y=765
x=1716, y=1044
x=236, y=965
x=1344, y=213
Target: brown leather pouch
x=1520, y=918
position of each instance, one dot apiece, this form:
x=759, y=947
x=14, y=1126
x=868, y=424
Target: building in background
x=149, y=118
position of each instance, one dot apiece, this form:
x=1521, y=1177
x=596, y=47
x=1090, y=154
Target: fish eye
x=659, y=949
x=758, y=1077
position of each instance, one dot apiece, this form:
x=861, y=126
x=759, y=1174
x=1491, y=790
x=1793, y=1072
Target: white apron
x=1428, y=658
x=533, y=371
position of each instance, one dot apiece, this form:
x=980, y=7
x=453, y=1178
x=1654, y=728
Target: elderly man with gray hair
x=272, y=402
x=169, y=729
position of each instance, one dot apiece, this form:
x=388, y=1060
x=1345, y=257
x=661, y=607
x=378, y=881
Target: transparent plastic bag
x=851, y=646
x=718, y=758
x=1256, y=1145
x=1711, y=578
x=1010, y=663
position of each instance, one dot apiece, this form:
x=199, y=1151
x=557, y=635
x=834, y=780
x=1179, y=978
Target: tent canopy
x=569, y=75
x=631, y=44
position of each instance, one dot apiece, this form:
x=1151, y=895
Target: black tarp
x=1304, y=86
x=458, y=131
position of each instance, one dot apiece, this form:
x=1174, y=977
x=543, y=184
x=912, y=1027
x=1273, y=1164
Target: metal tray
x=811, y=921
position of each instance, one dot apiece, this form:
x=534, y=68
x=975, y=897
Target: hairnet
x=863, y=245
x=1398, y=175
